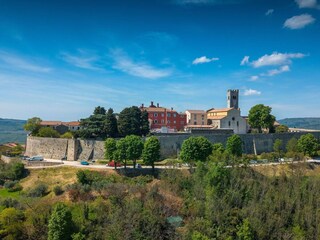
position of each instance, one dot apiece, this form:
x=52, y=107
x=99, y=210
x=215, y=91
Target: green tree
x=120, y=154
x=234, y=145
x=48, y=132
x=67, y=135
x=195, y=149
x=244, y=231
x=134, y=149
x=33, y=125
x=99, y=111
x=18, y=170
x=308, y=144
x=282, y=129
x=218, y=147
x=93, y=127
x=110, y=146
x=260, y=117
x=151, y=151
x=111, y=126
x=11, y=224
x=198, y=236
x=60, y=223
x=133, y=122
x=292, y=145
x=277, y=147
x=145, y=126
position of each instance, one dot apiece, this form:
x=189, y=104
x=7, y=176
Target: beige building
x=196, y=117
x=227, y=118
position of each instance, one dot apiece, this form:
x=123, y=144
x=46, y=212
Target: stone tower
x=233, y=98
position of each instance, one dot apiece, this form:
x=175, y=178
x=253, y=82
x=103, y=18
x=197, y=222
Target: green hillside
x=11, y=130
x=307, y=123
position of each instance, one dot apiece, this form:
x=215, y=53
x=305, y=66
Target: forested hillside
x=11, y=130
x=307, y=123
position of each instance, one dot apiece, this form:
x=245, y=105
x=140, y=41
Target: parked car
x=35, y=158
x=25, y=157
x=111, y=164
x=138, y=165
x=84, y=163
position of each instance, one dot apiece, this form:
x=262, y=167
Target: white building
x=227, y=118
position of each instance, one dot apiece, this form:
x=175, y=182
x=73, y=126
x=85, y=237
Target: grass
x=4, y=193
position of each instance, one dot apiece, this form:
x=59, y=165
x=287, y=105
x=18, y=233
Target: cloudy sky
x=59, y=59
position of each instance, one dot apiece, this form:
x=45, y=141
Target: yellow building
x=196, y=117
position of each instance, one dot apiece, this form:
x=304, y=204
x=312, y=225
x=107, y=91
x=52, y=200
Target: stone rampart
x=75, y=149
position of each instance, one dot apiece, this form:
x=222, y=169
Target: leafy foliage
x=195, y=149
x=48, y=132
x=282, y=129
x=151, y=151
x=260, y=117
x=60, y=223
x=33, y=125
x=308, y=144
x=234, y=145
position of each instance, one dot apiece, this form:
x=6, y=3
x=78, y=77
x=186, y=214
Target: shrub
x=57, y=190
x=67, y=135
x=39, y=191
x=12, y=186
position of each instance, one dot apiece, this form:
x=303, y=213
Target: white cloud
x=251, y=92
x=84, y=60
x=14, y=61
x=245, y=60
x=139, y=69
x=298, y=22
x=269, y=12
x=276, y=59
x=204, y=59
x=307, y=3
x=273, y=72
x=254, y=78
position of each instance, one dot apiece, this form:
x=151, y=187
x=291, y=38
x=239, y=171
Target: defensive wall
x=75, y=149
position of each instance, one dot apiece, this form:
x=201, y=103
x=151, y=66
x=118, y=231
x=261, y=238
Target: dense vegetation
x=12, y=131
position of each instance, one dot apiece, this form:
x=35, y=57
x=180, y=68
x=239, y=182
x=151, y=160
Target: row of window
x=162, y=121
x=168, y=115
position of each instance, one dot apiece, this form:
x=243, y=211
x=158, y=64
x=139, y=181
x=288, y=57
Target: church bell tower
x=233, y=98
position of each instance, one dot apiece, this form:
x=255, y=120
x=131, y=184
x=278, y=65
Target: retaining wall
x=75, y=149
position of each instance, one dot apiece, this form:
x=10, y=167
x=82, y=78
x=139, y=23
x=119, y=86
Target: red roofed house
x=160, y=117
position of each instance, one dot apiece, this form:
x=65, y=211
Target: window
x=202, y=123
x=168, y=114
x=155, y=114
x=174, y=122
x=194, y=123
x=162, y=114
x=168, y=121
x=195, y=117
x=174, y=115
x=162, y=121
x=229, y=124
x=155, y=121
x=238, y=123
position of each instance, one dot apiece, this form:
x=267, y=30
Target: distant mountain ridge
x=11, y=130
x=307, y=123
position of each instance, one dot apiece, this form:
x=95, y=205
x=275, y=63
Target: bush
x=67, y=135
x=12, y=186
x=39, y=191
x=57, y=190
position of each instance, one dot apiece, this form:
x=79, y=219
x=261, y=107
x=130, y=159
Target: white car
x=35, y=158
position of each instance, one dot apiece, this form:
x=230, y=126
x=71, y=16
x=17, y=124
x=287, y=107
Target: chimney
x=171, y=108
x=142, y=105
x=151, y=103
x=157, y=104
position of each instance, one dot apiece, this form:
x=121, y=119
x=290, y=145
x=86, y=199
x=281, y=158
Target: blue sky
x=60, y=59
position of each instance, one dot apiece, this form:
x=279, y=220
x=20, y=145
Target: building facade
x=160, y=117
x=196, y=117
x=227, y=118
x=62, y=127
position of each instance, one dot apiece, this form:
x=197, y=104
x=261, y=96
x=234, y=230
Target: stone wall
x=74, y=149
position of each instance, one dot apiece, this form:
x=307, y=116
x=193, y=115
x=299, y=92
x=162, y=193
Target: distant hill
x=11, y=130
x=307, y=123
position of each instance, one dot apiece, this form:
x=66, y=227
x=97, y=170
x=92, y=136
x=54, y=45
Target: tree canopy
x=308, y=144
x=33, y=125
x=195, y=149
x=48, y=132
x=234, y=145
x=60, y=223
x=260, y=117
x=133, y=122
x=151, y=151
x=134, y=149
